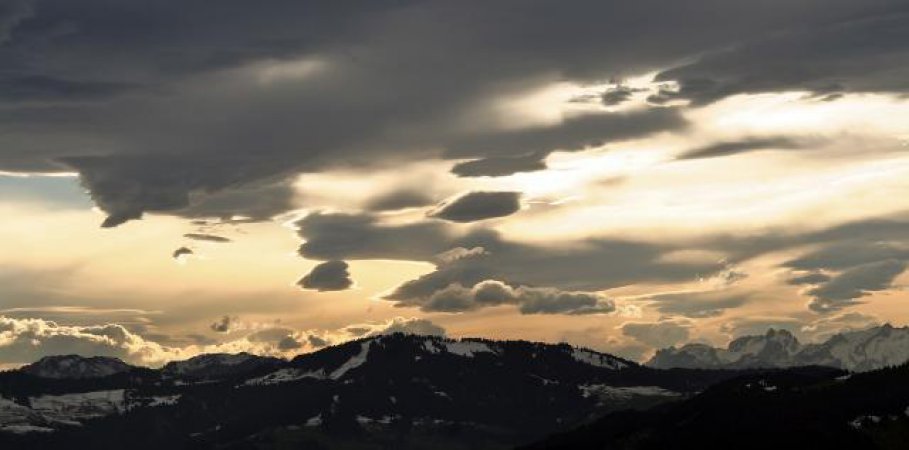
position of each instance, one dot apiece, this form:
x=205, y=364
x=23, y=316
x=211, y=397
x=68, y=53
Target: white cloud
x=25, y=340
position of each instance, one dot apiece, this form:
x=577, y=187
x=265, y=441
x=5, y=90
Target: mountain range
x=857, y=351
x=390, y=391
x=427, y=392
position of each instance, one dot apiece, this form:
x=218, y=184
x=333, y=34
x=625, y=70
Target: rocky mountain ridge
x=864, y=350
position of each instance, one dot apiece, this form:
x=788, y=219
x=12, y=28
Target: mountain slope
x=864, y=350
x=796, y=408
x=221, y=365
x=397, y=391
x=74, y=366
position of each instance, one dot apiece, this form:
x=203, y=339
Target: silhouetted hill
x=392, y=391
x=804, y=408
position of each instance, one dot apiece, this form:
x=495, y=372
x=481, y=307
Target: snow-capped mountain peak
x=76, y=367
x=862, y=350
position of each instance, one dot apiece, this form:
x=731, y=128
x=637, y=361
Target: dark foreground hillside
x=805, y=408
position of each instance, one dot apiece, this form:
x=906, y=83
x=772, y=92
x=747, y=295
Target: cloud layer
x=333, y=84
x=26, y=340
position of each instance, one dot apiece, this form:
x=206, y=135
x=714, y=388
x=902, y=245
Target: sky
x=274, y=177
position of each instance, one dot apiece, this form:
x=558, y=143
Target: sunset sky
x=179, y=177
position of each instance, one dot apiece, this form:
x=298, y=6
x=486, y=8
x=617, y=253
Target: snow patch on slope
x=76, y=407
x=596, y=359
x=285, y=376
x=467, y=348
x=352, y=363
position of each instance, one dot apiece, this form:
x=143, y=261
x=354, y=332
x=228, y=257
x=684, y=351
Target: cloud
x=363, y=236
x=657, y=334
x=847, y=253
x=742, y=146
x=170, y=114
x=618, y=95
x=327, y=276
x=499, y=166
x=250, y=201
x=400, y=199
x=847, y=287
x=421, y=327
x=809, y=278
x=205, y=237
x=24, y=340
x=529, y=300
x=861, y=53
x=697, y=305
x=758, y=325
x=412, y=325
x=289, y=343
x=479, y=205
x=181, y=252
x=450, y=256
x=316, y=341
x=579, y=265
x=827, y=326
x=12, y=13
x=572, y=134
x=223, y=325
x=861, y=249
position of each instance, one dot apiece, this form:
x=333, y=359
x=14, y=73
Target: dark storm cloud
x=864, y=53
x=499, y=166
x=588, y=264
x=158, y=104
x=742, y=146
x=575, y=133
x=363, y=236
x=848, y=287
x=592, y=264
x=480, y=205
x=128, y=186
x=328, y=276
x=580, y=266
